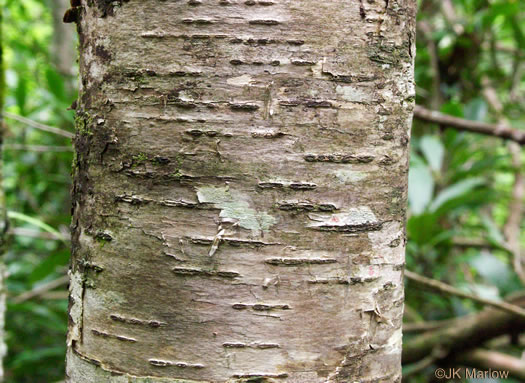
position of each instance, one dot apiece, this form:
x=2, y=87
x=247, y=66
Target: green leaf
x=483, y=291
x=519, y=35
x=21, y=94
x=36, y=222
x=494, y=234
x=492, y=269
x=454, y=191
x=420, y=187
x=422, y=228
x=56, y=84
x=453, y=107
x=433, y=151
x=476, y=110
x=49, y=265
x=34, y=356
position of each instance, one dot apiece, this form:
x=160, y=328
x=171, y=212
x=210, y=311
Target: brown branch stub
x=496, y=130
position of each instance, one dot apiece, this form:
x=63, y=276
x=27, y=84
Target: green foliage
x=37, y=193
x=420, y=183
x=13, y=215
x=460, y=184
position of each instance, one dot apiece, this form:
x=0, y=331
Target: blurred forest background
x=465, y=191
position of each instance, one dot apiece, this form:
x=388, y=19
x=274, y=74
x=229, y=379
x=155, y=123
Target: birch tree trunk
x=240, y=191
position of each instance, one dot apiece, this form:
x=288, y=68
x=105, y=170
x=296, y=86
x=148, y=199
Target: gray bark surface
x=240, y=191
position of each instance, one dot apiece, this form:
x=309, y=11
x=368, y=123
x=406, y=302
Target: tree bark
x=240, y=191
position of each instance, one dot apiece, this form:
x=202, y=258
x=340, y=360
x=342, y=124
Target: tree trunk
x=240, y=191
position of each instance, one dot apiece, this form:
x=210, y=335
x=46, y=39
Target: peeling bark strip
x=239, y=191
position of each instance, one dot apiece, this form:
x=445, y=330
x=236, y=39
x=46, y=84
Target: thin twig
x=419, y=366
x=38, y=148
x=41, y=289
x=410, y=314
x=480, y=243
x=425, y=326
x=444, y=288
x=492, y=98
x=506, y=341
x=24, y=232
x=487, y=359
x=55, y=295
x=466, y=332
x=473, y=242
x=496, y=130
x=38, y=125
x=517, y=71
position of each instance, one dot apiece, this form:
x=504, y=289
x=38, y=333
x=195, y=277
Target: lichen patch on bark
x=234, y=207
